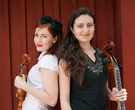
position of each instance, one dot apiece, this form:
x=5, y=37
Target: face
x=43, y=39
x=83, y=28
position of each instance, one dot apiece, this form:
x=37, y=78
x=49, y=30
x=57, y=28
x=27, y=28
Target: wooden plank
x=5, y=70
x=128, y=50
x=65, y=10
x=110, y=20
x=18, y=40
x=48, y=7
x=101, y=22
x=73, y=5
x=52, y=8
x=83, y=3
x=56, y=10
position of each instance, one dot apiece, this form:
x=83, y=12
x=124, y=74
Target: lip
x=38, y=45
x=85, y=35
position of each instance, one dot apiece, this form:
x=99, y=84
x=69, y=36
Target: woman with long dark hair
x=82, y=74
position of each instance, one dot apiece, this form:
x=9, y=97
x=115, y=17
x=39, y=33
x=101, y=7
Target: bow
x=56, y=26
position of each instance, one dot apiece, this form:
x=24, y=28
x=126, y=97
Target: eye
x=90, y=25
x=43, y=36
x=36, y=35
x=80, y=26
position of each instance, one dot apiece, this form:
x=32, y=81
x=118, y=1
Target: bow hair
x=56, y=26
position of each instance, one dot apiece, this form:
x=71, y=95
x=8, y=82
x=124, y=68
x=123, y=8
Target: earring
x=53, y=41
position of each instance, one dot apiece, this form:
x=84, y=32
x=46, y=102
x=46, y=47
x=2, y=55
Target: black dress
x=92, y=95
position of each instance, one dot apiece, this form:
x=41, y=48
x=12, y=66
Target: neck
x=86, y=47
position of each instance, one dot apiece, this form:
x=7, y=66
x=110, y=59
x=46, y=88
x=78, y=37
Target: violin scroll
x=109, y=57
x=26, y=59
x=108, y=45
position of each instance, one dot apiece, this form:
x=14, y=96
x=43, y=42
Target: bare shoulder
x=62, y=63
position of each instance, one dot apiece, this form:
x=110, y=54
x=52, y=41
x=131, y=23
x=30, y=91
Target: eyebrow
x=87, y=23
x=41, y=34
x=44, y=34
x=35, y=33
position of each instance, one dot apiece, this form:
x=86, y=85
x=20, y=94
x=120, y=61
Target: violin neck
x=121, y=105
x=21, y=70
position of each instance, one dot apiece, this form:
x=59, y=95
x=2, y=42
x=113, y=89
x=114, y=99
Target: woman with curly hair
x=82, y=74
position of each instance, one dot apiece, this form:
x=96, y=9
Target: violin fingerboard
x=119, y=87
x=21, y=70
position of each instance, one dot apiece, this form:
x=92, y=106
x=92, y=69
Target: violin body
x=21, y=96
x=21, y=93
x=112, y=67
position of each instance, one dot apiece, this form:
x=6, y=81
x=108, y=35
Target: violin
x=21, y=93
x=112, y=66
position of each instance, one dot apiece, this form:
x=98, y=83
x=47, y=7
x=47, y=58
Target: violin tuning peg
x=113, y=54
x=120, y=67
x=117, y=59
x=103, y=55
x=105, y=60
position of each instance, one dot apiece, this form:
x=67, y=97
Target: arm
x=49, y=79
x=64, y=82
x=115, y=95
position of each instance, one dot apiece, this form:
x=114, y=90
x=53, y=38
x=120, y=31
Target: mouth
x=38, y=45
x=85, y=35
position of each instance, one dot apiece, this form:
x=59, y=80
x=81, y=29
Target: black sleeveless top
x=92, y=95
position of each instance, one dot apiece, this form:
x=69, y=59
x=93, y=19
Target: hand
x=19, y=81
x=119, y=95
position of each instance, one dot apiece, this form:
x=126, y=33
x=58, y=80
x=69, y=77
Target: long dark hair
x=70, y=50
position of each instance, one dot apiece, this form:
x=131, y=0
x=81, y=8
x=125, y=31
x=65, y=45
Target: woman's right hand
x=19, y=81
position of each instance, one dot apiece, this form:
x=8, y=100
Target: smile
x=85, y=35
x=38, y=45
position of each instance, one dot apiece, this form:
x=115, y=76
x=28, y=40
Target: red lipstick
x=38, y=45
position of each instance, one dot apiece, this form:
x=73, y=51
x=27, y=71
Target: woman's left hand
x=119, y=95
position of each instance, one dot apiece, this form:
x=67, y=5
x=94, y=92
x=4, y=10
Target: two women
x=82, y=74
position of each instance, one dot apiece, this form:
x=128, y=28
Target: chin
x=39, y=50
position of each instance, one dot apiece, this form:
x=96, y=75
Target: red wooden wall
x=114, y=21
x=128, y=49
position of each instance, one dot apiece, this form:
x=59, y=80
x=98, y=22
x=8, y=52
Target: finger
x=122, y=90
x=122, y=99
x=115, y=90
x=121, y=94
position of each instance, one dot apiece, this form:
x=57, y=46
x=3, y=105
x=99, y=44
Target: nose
x=39, y=39
x=85, y=29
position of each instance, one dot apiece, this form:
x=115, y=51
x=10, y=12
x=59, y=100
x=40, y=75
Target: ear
x=55, y=39
x=72, y=30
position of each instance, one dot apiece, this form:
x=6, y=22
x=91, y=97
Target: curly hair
x=70, y=50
